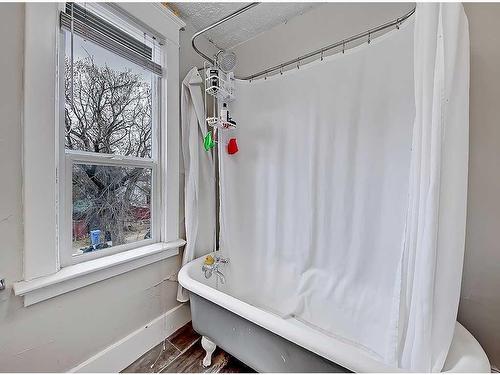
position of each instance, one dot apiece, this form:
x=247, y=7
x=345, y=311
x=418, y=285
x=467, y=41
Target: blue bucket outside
x=95, y=236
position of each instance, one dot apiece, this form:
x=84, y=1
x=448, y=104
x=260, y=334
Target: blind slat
x=107, y=36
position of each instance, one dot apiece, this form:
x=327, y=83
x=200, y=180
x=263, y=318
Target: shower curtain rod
x=297, y=60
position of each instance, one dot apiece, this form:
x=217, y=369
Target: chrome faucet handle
x=207, y=270
x=222, y=260
x=206, y=267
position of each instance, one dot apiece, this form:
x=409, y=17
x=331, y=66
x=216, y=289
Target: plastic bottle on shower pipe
x=224, y=113
x=214, y=74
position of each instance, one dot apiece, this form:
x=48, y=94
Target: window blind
x=94, y=28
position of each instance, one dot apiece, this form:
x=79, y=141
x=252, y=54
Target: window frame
x=43, y=276
x=68, y=158
x=71, y=158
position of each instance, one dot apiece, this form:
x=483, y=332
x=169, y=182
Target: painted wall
x=57, y=334
x=480, y=301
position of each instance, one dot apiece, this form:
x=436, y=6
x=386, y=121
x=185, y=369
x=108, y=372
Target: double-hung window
x=109, y=134
x=100, y=137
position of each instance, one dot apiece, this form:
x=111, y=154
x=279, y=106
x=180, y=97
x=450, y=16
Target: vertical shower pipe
x=215, y=114
x=214, y=151
x=214, y=157
x=216, y=110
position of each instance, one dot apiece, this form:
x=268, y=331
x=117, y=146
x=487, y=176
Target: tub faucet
x=212, y=265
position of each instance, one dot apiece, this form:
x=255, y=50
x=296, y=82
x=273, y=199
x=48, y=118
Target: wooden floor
x=182, y=352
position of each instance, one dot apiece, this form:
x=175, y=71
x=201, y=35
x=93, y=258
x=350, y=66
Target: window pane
x=108, y=102
x=111, y=206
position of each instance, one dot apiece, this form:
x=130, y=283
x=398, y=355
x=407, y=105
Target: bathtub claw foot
x=209, y=347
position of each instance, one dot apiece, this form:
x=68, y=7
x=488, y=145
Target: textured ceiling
x=243, y=27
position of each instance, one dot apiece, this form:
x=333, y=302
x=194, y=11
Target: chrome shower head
x=225, y=60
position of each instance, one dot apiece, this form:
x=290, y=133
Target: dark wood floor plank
x=184, y=353
x=155, y=359
x=219, y=360
x=184, y=337
x=189, y=361
x=235, y=366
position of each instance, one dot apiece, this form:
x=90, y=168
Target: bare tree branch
x=110, y=112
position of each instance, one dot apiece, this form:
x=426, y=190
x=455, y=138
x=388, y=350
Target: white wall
x=479, y=309
x=57, y=334
x=480, y=301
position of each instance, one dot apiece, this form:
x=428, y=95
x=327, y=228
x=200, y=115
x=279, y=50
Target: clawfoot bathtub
x=269, y=343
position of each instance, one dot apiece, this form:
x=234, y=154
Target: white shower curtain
x=435, y=225
x=320, y=215
x=199, y=183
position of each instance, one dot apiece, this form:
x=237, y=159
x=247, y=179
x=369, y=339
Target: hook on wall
x=343, y=47
x=369, y=37
x=321, y=55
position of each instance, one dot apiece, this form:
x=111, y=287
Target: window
x=110, y=135
x=49, y=267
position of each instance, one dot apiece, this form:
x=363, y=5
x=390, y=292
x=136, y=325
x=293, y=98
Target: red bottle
x=232, y=146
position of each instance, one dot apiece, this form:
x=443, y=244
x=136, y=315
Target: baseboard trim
x=125, y=351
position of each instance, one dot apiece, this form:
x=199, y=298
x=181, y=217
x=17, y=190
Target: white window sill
x=82, y=274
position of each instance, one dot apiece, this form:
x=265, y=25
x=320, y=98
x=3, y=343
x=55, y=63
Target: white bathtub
x=239, y=338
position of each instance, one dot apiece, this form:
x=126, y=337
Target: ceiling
x=243, y=27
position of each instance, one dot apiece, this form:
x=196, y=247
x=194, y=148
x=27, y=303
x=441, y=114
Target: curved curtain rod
x=397, y=22
x=215, y=24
